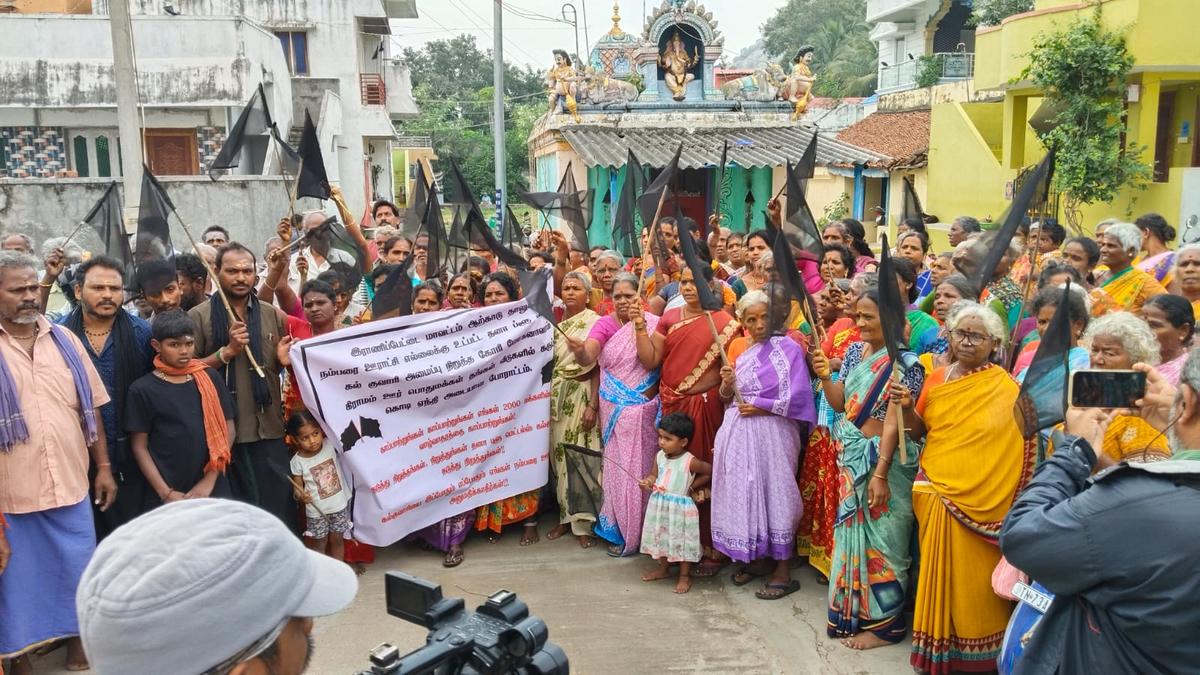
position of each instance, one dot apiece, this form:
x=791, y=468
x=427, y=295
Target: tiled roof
x=901, y=137
x=748, y=147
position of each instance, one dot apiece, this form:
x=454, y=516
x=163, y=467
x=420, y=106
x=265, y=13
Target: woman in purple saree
x=628, y=409
x=755, y=497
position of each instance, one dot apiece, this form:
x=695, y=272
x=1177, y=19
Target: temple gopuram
x=650, y=91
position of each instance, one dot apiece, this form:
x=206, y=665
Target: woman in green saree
x=870, y=562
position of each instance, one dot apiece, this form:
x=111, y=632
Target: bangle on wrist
x=875, y=475
x=221, y=356
x=46, y=284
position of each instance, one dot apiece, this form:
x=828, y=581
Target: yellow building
x=977, y=150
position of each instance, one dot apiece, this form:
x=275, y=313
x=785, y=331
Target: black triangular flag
x=154, y=210
x=312, y=181
x=107, y=220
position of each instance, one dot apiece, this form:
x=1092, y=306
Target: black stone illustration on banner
x=352, y=434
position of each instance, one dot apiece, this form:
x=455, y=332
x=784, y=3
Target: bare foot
x=865, y=640
x=556, y=532
x=76, y=658
x=529, y=535
x=586, y=541
x=359, y=568
x=660, y=572
x=616, y=550
x=684, y=584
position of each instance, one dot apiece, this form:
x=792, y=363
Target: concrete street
x=606, y=618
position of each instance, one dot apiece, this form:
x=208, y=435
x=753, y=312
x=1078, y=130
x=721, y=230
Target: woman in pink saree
x=628, y=408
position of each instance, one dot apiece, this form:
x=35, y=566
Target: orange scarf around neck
x=216, y=433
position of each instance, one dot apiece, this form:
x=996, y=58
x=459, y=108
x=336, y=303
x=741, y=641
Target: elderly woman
x=954, y=288
x=1115, y=342
x=1173, y=322
x=974, y=463
x=607, y=264
x=461, y=292
x=870, y=563
x=1125, y=288
x=497, y=289
x=756, y=501
x=1187, y=275
x=574, y=411
x=682, y=344
x=836, y=263
x=628, y=407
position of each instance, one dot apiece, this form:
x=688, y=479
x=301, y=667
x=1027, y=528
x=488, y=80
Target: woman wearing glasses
x=973, y=464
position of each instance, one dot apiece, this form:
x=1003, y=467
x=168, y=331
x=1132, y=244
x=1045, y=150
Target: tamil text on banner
x=434, y=414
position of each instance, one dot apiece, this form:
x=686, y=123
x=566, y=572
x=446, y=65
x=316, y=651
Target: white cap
x=193, y=583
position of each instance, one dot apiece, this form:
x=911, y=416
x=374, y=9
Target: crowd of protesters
x=746, y=446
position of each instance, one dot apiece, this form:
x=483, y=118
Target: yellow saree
x=1128, y=290
x=974, y=463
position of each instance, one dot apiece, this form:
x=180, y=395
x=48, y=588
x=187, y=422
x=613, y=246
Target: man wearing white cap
x=206, y=586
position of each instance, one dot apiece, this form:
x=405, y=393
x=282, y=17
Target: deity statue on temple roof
x=562, y=82
x=675, y=62
x=799, y=86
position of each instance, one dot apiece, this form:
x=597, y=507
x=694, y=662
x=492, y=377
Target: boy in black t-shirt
x=180, y=418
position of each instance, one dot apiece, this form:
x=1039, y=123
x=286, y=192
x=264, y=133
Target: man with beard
x=158, y=283
x=118, y=345
x=50, y=395
x=1117, y=549
x=259, y=472
x=193, y=280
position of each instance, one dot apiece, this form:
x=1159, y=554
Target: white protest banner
x=434, y=414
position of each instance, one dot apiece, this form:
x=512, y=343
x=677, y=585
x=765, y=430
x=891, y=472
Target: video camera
x=498, y=638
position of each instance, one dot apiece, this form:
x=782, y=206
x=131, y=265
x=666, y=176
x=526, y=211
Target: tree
x=844, y=58
x=452, y=85
x=1082, y=71
x=992, y=12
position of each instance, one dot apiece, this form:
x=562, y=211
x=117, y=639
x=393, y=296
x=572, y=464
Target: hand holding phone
x=1093, y=388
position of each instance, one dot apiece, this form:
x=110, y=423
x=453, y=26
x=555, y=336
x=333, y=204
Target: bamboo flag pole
x=712, y=326
x=220, y=291
x=72, y=235
x=651, y=243
x=893, y=404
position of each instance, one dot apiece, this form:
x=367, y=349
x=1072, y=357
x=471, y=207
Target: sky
x=529, y=39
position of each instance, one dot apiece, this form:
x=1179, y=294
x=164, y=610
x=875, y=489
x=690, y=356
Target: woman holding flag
x=870, y=562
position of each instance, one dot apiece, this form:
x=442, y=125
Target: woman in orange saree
x=682, y=344
x=974, y=463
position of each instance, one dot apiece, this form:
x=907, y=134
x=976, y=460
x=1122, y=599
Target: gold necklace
x=167, y=378
x=36, y=328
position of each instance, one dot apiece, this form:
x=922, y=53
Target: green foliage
x=844, y=58
x=1082, y=70
x=837, y=209
x=992, y=12
x=452, y=85
x=929, y=71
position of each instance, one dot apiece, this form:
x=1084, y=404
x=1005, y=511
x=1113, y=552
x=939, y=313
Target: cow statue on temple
x=763, y=85
x=598, y=88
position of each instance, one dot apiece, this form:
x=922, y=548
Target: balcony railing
x=949, y=66
x=373, y=90
x=413, y=142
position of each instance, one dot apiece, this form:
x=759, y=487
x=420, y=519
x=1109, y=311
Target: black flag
x=912, y=204
x=417, y=202
x=626, y=235
x=536, y=292
x=892, y=314
x=435, y=230
x=394, y=295
x=569, y=203
x=511, y=235
x=799, y=226
x=1034, y=193
x=105, y=218
x=154, y=210
x=807, y=166
x=312, y=181
x=254, y=120
x=475, y=227
x=1043, y=398
x=687, y=243
x=660, y=188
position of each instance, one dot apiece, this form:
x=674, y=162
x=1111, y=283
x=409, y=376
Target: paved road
x=604, y=616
